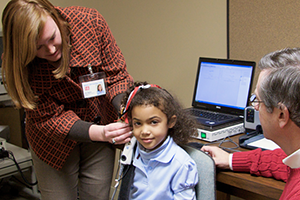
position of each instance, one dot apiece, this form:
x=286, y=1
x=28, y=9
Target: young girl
x=163, y=170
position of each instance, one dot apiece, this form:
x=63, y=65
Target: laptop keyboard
x=210, y=115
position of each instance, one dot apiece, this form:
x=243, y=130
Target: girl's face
x=150, y=126
x=49, y=43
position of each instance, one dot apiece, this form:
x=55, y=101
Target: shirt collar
x=161, y=154
x=293, y=160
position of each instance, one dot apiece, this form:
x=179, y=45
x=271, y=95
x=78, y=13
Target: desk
x=23, y=158
x=244, y=185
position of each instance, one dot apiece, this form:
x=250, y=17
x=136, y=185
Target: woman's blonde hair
x=23, y=21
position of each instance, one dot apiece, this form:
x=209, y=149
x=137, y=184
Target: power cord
x=231, y=149
x=125, y=162
x=118, y=180
x=224, y=140
x=8, y=154
x=119, y=177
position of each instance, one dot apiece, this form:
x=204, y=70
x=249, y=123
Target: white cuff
x=230, y=161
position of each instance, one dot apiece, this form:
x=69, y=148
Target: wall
x=2, y=6
x=260, y=27
x=162, y=40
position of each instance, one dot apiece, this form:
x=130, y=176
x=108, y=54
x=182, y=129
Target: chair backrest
x=206, y=187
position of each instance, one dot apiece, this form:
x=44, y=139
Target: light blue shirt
x=168, y=172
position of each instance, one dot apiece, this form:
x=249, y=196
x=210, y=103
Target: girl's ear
x=172, y=121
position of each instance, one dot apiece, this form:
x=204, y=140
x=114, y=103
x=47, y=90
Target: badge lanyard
x=93, y=84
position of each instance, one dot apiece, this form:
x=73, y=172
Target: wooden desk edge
x=267, y=187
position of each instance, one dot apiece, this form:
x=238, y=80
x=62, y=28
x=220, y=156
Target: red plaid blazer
x=60, y=102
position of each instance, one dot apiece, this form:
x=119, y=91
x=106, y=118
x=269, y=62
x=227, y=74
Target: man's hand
x=220, y=156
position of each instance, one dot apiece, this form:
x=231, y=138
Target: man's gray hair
x=282, y=87
x=281, y=58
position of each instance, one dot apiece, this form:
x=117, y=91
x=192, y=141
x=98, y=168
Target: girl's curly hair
x=185, y=126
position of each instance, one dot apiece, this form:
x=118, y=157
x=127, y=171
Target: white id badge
x=93, y=84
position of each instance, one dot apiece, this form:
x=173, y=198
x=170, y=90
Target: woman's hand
x=115, y=133
x=220, y=156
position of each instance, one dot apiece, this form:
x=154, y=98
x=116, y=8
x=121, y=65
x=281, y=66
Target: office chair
x=206, y=187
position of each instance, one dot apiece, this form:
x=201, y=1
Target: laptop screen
x=223, y=85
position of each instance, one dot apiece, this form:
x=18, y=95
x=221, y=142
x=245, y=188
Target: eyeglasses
x=254, y=102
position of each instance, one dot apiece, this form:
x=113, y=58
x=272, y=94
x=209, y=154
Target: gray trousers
x=88, y=172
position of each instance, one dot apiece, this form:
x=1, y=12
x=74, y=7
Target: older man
x=278, y=102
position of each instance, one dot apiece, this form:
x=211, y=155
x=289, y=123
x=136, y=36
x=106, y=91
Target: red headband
x=130, y=97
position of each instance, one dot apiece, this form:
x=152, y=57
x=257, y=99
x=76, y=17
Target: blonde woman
x=52, y=56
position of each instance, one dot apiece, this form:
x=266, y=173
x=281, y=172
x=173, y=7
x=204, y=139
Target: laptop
x=222, y=90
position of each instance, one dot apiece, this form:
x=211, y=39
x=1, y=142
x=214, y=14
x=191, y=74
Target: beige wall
x=259, y=27
x=163, y=39
x=2, y=6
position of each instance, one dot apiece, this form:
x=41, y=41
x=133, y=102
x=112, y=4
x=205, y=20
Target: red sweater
x=269, y=164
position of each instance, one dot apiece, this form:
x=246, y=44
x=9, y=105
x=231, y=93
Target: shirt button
x=97, y=120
